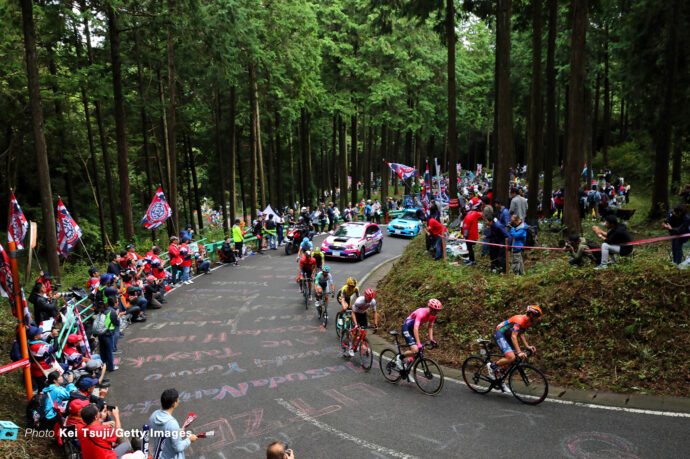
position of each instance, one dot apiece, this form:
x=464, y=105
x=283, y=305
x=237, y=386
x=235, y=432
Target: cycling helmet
x=316, y=250
x=435, y=304
x=303, y=209
x=300, y=220
x=307, y=253
x=352, y=282
x=369, y=294
x=326, y=269
x=534, y=309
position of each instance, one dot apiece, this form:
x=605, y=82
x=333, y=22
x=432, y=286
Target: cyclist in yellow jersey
x=319, y=257
x=345, y=294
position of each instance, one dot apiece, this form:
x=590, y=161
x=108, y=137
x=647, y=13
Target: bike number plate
x=335, y=254
x=482, y=351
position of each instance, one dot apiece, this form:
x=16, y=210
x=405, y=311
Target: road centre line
x=345, y=436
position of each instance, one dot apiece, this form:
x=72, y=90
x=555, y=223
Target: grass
x=624, y=329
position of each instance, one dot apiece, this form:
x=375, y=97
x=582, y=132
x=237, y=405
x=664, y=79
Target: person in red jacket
x=434, y=231
x=470, y=231
x=187, y=257
x=175, y=258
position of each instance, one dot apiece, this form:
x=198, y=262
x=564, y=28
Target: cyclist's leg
x=506, y=349
x=408, y=335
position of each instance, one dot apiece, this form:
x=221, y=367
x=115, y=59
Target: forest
x=249, y=102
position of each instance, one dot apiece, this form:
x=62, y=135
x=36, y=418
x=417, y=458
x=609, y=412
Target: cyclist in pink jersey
x=410, y=328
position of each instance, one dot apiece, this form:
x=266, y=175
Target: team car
x=353, y=240
x=407, y=224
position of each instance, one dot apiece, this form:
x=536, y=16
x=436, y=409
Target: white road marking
x=345, y=436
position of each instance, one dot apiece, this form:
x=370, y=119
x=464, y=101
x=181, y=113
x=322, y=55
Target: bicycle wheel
x=387, y=365
x=339, y=323
x=366, y=355
x=324, y=317
x=428, y=376
x=528, y=384
x=346, y=340
x=306, y=296
x=476, y=375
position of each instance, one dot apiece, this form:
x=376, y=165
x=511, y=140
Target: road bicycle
x=426, y=373
x=359, y=345
x=343, y=323
x=305, y=285
x=526, y=382
x=321, y=307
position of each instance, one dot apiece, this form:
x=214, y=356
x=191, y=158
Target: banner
x=158, y=212
x=426, y=191
x=403, y=172
x=18, y=224
x=7, y=285
x=68, y=232
x=14, y=365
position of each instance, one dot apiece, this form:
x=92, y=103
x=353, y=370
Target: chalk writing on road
x=208, y=338
x=138, y=362
x=230, y=368
x=278, y=360
x=292, y=317
x=597, y=444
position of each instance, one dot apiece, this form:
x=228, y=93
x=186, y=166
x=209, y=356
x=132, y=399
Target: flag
x=158, y=212
x=7, y=285
x=68, y=232
x=403, y=172
x=426, y=191
x=18, y=224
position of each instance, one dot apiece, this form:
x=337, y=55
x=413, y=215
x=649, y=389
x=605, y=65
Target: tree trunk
x=257, y=134
x=39, y=136
x=274, y=166
x=664, y=128
x=195, y=183
x=305, y=158
x=343, y=163
x=452, y=136
x=396, y=152
x=551, y=121
x=354, y=138
x=677, y=162
x=221, y=160
x=595, y=117
x=172, y=128
x=241, y=176
x=385, y=170
x=333, y=169
x=253, y=166
x=576, y=115
x=536, y=127
x=505, y=158
x=368, y=153
x=607, y=101
x=233, y=152
x=120, y=127
x=291, y=154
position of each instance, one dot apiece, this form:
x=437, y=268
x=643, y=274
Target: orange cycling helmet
x=534, y=309
x=369, y=294
x=435, y=304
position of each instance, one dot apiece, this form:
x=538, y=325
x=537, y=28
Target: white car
x=353, y=240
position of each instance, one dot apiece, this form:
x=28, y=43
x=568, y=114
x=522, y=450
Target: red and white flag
x=158, y=212
x=68, y=232
x=18, y=224
x=402, y=171
x=7, y=285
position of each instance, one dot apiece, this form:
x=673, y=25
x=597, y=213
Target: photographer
x=578, y=246
x=277, y=450
x=46, y=304
x=57, y=393
x=153, y=291
x=678, y=222
x=98, y=438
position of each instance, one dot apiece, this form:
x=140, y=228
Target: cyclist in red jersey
x=307, y=265
x=506, y=336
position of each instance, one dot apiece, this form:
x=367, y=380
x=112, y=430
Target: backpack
x=270, y=224
x=35, y=412
x=532, y=236
x=16, y=352
x=99, y=326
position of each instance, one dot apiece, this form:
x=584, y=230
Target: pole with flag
x=18, y=223
x=158, y=212
x=68, y=232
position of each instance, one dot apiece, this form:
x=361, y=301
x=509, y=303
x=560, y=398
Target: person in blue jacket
x=518, y=231
x=498, y=235
x=170, y=439
x=56, y=395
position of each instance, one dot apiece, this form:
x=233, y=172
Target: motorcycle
x=293, y=239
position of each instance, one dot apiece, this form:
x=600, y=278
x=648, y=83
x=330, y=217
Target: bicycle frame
x=418, y=356
x=504, y=373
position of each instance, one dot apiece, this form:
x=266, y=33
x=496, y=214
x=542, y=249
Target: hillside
x=624, y=329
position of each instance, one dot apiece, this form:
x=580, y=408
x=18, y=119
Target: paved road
x=255, y=367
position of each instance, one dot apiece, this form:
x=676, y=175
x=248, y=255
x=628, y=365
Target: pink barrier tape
x=642, y=241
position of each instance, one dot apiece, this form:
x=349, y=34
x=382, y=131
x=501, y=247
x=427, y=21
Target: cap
x=46, y=276
x=106, y=278
x=150, y=278
x=76, y=405
x=132, y=290
x=73, y=338
x=93, y=365
x=130, y=246
x=86, y=383
x=33, y=331
x=93, y=270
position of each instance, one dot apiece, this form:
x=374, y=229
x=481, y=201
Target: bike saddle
x=393, y=332
x=482, y=341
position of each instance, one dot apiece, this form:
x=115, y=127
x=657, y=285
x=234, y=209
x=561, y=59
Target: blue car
x=408, y=224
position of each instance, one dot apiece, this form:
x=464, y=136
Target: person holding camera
x=46, y=304
x=677, y=223
x=57, y=391
x=577, y=246
x=277, y=450
x=98, y=438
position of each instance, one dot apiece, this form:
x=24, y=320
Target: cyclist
x=305, y=245
x=506, y=337
x=323, y=281
x=306, y=270
x=319, y=257
x=410, y=330
x=359, y=316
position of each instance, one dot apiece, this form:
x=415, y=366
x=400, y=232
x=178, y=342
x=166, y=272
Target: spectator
x=678, y=222
x=73, y=357
x=498, y=235
x=435, y=231
x=97, y=438
x=684, y=193
x=175, y=259
x=136, y=452
x=187, y=233
x=153, y=292
x=613, y=240
x=186, y=264
x=258, y=231
x=518, y=232
x=323, y=217
x=56, y=394
x=45, y=305
x=271, y=231
x=166, y=429
x=330, y=212
x=558, y=202
x=237, y=237
x=44, y=278
x=83, y=394
x=578, y=247
x=376, y=211
x=93, y=281
x=518, y=205
x=114, y=266
x=132, y=253
x=470, y=231
x=41, y=357
x=134, y=303
x=502, y=213
x=157, y=270
x=227, y=252
x=203, y=264
x=367, y=212
x=276, y=450
x=593, y=200
x=106, y=341
x=434, y=212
